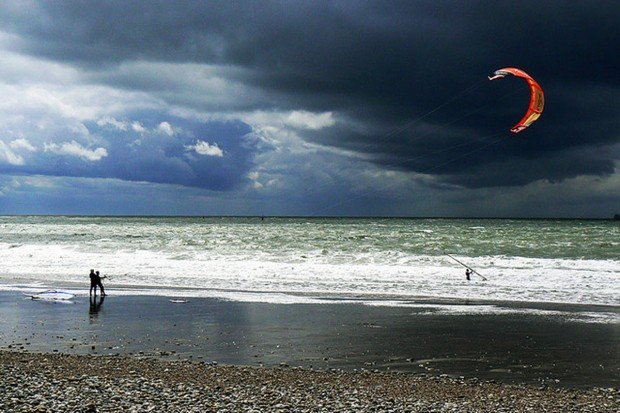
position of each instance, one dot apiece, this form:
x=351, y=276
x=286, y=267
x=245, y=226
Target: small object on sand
x=179, y=301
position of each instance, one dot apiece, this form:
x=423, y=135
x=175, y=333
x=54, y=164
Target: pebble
x=73, y=383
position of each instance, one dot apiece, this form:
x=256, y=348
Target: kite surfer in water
x=469, y=271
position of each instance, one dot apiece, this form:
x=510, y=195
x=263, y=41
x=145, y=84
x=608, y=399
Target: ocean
x=374, y=261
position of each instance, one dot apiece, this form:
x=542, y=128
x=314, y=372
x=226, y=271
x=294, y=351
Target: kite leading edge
x=537, y=97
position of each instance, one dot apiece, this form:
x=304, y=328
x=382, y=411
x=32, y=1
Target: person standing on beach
x=468, y=274
x=99, y=283
x=93, y=282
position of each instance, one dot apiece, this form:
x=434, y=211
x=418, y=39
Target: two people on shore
x=95, y=281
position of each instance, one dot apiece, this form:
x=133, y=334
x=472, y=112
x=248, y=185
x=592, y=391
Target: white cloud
x=7, y=155
x=296, y=119
x=165, y=128
x=110, y=121
x=22, y=143
x=75, y=149
x=302, y=119
x=254, y=177
x=137, y=127
x=205, y=148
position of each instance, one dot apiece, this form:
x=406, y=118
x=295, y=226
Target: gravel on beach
x=31, y=382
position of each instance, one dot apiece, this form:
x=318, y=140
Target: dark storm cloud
x=380, y=65
x=150, y=156
x=162, y=159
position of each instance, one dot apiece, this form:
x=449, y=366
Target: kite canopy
x=537, y=98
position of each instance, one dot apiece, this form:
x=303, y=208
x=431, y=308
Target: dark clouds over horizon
x=310, y=103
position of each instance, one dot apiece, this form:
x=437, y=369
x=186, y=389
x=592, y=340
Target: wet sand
x=532, y=349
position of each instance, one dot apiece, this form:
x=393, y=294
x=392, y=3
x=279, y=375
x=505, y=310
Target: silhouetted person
x=468, y=274
x=93, y=282
x=99, y=284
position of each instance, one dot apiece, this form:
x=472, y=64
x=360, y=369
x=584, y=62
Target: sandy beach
x=212, y=355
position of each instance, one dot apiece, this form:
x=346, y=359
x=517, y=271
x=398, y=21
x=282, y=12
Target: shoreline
x=87, y=383
x=300, y=297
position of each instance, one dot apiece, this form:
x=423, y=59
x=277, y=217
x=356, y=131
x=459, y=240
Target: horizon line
x=612, y=218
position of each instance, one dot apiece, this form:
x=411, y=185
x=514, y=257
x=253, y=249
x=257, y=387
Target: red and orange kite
x=537, y=98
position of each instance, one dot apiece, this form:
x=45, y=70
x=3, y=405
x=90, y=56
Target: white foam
x=361, y=274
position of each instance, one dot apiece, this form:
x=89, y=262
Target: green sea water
x=575, y=261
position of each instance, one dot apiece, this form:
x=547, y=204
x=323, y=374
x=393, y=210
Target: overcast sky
x=308, y=108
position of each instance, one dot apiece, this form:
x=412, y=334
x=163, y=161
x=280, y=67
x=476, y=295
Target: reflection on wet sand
x=95, y=306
